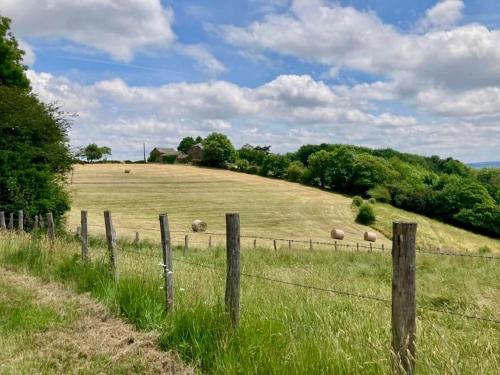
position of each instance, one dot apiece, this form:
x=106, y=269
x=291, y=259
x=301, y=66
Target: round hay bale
x=370, y=236
x=337, y=234
x=199, y=226
x=127, y=171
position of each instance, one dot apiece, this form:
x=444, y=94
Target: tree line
x=445, y=189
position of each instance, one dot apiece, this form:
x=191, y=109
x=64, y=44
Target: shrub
x=372, y=201
x=253, y=169
x=484, y=249
x=242, y=165
x=366, y=214
x=168, y=159
x=295, y=171
x=357, y=201
x=380, y=193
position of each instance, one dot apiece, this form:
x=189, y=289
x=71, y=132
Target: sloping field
x=267, y=207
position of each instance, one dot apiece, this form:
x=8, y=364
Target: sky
x=418, y=76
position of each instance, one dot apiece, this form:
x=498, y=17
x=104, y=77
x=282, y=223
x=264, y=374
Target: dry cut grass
x=268, y=207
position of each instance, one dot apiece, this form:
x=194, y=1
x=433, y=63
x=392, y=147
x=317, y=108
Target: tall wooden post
x=335, y=245
x=3, y=226
x=255, y=243
x=84, y=235
x=51, y=232
x=232, y=297
x=275, y=245
x=35, y=223
x=186, y=244
x=20, y=221
x=111, y=239
x=167, y=262
x=357, y=246
x=209, y=242
x=310, y=244
x=289, y=244
x=11, y=221
x=137, y=239
x=403, y=296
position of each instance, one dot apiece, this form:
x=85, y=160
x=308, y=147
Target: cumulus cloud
x=204, y=58
x=117, y=27
x=286, y=112
x=444, y=14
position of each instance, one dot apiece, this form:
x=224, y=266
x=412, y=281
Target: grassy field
x=286, y=329
x=46, y=329
x=268, y=207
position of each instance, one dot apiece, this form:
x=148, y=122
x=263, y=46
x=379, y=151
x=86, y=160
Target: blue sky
x=419, y=76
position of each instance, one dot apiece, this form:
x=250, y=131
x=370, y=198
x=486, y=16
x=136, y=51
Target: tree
x=12, y=70
x=35, y=154
x=186, y=143
x=320, y=166
x=93, y=152
x=218, y=150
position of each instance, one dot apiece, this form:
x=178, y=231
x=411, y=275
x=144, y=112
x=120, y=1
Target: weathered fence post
x=255, y=243
x=403, y=296
x=370, y=247
x=137, y=239
x=209, y=242
x=167, y=262
x=335, y=245
x=310, y=244
x=186, y=244
x=84, y=236
x=289, y=244
x=35, y=223
x=274, y=245
x=40, y=221
x=2, y=221
x=20, y=221
x=11, y=221
x=357, y=246
x=111, y=238
x=51, y=232
x=232, y=297
x=383, y=248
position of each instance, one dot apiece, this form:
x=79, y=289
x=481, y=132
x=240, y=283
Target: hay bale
x=199, y=226
x=337, y=234
x=370, y=236
x=127, y=171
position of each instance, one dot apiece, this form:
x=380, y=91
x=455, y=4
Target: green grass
x=286, y=329
x=267, y=207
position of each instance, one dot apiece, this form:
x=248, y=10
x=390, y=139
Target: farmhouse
x=163, y=154
x=196, y=153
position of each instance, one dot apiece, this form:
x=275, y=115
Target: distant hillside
x=485, y=164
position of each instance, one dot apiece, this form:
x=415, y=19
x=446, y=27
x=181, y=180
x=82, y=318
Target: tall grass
x=285, y=329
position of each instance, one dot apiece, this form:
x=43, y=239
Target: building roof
x=166, y=151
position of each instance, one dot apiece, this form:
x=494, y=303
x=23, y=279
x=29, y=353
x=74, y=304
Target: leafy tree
x=320, y=165
x=490, y=178
x=35, y=155
x=12, y=70
x=187, y=142
x=369, y=171
x=483, y=215
x=295, y=171
x=218, y=150
x=366, y=214
x=93, y=152
x=380, y=193
x=305, y=151
x=342, y=168
x=255, y=155
x=275, y=165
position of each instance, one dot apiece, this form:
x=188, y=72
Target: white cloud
x=117, y=27
x=29, y=54
x=285, y=112
x=445, y=13
x=205, y=60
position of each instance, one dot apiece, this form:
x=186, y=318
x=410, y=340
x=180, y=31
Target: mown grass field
x=268, y=207
x=285, y=329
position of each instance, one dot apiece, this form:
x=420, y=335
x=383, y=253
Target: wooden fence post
x=167, y=262
x=255, y=243
x=274, y=245
x=35, y=223
x=11, y=221
x=403, y=296
x=137, y=239
x=357, y=246
x=84, y=236
x=51, y=232
x=289, y=244
x=41, y=221
x=370, y=247
x=2, y=221
x=111, y=238
x=232, y=297
x=335, y=245
x=209, y=242
x=186, y=244
x=310, y=244
x=383, y=248
x=20, y=221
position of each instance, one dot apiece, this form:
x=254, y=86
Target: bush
x=372, y=201
x=168, y=159
x=380, y=193
x=357, y=201
x=295, y=171
x=253, y=169
x=366, y=214
x=484, y=249
x=242, y=165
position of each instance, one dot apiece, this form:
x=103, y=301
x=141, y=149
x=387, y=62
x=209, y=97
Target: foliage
x=218, y=150
x=168, y=159
x=357, y=201
x=93, y=152
x=187, y=142
x=12, y=70
x=366, y=214
x=275, y=165
x=295, y=171
x=242, y=165
x=380, y=193
x=35, y=154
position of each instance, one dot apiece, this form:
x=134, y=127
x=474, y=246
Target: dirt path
x=84, y=337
